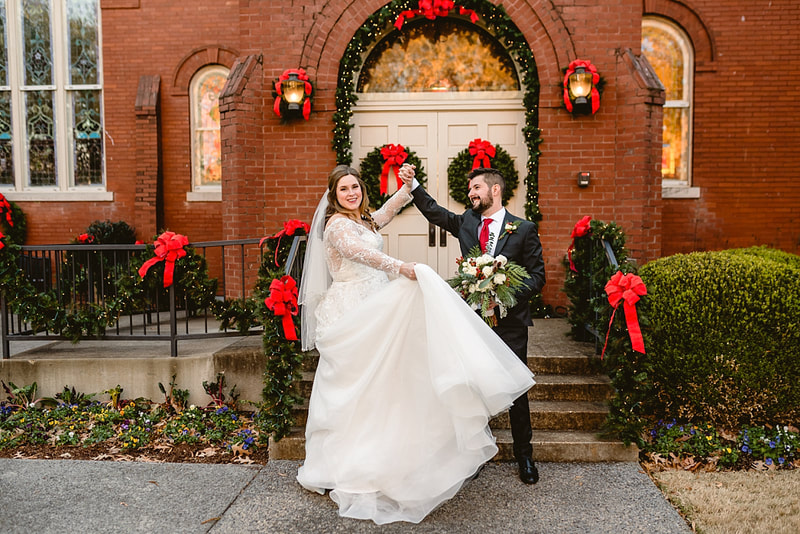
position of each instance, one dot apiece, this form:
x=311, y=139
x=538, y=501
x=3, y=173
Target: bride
x=408, y=374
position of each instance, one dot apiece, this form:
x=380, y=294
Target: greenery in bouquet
x=488, y=283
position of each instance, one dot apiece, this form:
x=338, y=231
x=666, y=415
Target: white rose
x=501, y=260
x=473, y=288
x=499, y=278
x=485, y=259
x=488, y=271
x=472, y=271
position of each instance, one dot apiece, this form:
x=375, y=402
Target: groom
x=489, y=225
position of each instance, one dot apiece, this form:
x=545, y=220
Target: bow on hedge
x=431, y=9
x=5, y=207
x=169, y=247
x=289, y=228
x=582, y=228
x=482, y=152
x=282, y=301
x=393, y=156
x=595, y=80
x=627, y=288
x=303, y=77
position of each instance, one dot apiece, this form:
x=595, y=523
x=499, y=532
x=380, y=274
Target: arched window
x=204, y=93
x=670, y=52
x=439, y=56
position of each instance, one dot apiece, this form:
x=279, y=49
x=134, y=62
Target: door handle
x=431, y=235
x=442, y=237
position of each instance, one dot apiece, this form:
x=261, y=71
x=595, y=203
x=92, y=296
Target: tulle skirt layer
x=399, y=411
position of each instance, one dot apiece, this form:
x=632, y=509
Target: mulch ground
x=160, y=453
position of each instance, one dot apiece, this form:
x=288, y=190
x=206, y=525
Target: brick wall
x=745, y=121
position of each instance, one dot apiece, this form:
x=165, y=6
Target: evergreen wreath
x=493, y=18
x=371, y=167
x=460, y=167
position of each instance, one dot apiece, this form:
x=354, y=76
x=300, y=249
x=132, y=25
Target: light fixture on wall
x=580, y=88
x=293, y=94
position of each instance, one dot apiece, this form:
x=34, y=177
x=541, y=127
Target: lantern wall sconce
x=293, y=94
x=581, y=95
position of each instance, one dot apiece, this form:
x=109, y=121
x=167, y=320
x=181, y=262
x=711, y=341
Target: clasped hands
x=406, y=173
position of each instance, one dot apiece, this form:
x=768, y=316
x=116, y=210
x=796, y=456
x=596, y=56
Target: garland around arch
x=384, y=161
x=498, y=23
x=480, y=154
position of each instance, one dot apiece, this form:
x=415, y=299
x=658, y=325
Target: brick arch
x=693, y=24
x=197, y=59
x=327, y=40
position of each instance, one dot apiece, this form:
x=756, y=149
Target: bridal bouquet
x=483, y=280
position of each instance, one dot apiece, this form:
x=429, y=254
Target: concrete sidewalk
x=46, y=496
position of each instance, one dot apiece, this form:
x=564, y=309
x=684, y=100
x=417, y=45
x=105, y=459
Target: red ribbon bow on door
x=282, y=301
x=582, y=228
x=394, y=156
x=169, y=247
x=483, y=151
x=431, y=9
x=626, y=288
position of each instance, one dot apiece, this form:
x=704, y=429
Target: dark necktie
x=483, y=239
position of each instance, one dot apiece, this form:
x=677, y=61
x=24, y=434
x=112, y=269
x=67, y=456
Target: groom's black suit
x=523, y=247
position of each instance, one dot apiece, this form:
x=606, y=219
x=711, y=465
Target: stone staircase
x=568, y=404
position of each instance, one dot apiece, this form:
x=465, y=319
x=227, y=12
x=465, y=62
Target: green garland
x=460, y=167
x=371, y=167
x=497, y=21
x=17, y=231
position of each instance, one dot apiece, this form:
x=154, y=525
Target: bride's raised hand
x=407, y=270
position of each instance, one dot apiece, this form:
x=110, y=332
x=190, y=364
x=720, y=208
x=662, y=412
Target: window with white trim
x=51, y=123
x=204, y=92
x=670, y=52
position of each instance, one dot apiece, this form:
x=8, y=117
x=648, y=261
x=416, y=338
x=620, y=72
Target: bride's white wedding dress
x=407, y=380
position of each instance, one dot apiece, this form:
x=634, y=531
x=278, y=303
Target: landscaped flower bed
x=74, y=426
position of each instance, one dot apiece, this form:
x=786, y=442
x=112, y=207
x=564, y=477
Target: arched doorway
x=434, y=87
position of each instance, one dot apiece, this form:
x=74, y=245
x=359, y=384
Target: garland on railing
x=497, y=21
x=595, y=288
x=12, y=221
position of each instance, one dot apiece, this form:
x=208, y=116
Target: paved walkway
x=46, y=496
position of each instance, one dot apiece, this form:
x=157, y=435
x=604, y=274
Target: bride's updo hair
x=339, y=172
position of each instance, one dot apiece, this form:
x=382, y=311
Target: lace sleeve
x=386, y=213
x=344, y=236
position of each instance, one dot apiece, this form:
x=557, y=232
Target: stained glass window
x=51, y=89
x=206, y=86
x=669, y=51
x=439, y=56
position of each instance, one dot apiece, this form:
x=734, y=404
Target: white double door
x=436, y=132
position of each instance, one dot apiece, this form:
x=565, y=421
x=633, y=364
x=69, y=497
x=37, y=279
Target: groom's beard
x=483, y=205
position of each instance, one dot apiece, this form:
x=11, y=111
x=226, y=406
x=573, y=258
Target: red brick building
x=720, y=176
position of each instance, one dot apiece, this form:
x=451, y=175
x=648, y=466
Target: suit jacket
x=521, y=246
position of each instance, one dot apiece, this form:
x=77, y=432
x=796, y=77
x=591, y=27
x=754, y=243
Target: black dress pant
x=516, y=338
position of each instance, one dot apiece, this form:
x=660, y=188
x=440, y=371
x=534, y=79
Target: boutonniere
x=510, y=228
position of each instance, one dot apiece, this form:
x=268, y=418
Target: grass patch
x=735, y=501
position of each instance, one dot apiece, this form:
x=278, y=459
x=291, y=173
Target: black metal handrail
x=58, y=269
x=611, y=259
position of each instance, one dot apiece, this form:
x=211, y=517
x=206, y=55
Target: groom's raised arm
x=435, y=213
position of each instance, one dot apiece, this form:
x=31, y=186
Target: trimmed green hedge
x=724, y=343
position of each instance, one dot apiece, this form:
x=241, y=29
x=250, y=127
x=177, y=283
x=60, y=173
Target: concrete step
x=548, y=446
x=545, y=415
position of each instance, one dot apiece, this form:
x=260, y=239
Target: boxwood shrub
x=724, y=339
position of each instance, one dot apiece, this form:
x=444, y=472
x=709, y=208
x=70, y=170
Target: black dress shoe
x=527, y=471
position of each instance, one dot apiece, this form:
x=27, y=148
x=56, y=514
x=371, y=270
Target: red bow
x=282, y=301
x=394, y=156
x=482, y=150
x=1, y=242
x=289, y=228
x=627, y=288
x=169, y=247
x=5, y=207
x=303, y=77
x=86, y=238
x=582, y=228
x=595, y=80
x=431, y=9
